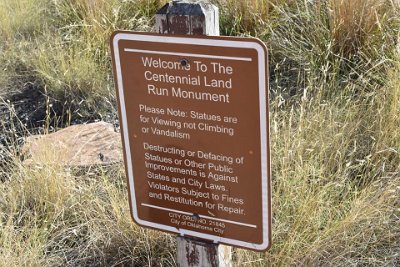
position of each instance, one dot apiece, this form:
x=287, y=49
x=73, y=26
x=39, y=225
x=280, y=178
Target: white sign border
x=265, y=164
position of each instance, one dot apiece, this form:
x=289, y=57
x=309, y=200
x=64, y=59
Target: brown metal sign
x=194, y=124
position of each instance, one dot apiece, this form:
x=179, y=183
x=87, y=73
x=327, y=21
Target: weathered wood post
x=194, y=17
x=191, y=17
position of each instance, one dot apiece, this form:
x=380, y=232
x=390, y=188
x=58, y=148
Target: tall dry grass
x=21, y=18
x=353, y=22
x=76, y=73
x=335, y=105
x=49, y=216
x=245, y=17
x=336, y=182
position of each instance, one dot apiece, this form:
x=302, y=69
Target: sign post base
x=198, y=253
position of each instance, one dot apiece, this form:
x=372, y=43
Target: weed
x=21, y=18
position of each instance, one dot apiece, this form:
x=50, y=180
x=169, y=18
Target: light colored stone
x=75, y=146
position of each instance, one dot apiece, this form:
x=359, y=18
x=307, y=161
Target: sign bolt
x=184, y=62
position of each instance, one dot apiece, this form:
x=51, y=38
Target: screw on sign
x=194, y=124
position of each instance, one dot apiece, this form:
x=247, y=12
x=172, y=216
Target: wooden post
x=196, y=253
x=193, y=17
x=190, y=17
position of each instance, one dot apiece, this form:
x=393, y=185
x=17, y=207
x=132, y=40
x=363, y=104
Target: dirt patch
x=21, y=112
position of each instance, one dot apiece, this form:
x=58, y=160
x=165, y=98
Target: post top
x=187, y=7
x=198, y=17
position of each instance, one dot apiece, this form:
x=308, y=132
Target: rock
x=75, y=146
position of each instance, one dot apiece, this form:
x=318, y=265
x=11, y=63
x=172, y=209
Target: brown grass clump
x=21, y=18
x=244, y=16
x=49, y=217
x=354, y=21
x=376, y=211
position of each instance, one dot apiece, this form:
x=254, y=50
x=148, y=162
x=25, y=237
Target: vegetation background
x=335, y=117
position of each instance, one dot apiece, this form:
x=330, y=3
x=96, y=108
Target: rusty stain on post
x=212, y=255
x=197, y=253
x=192, y=254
